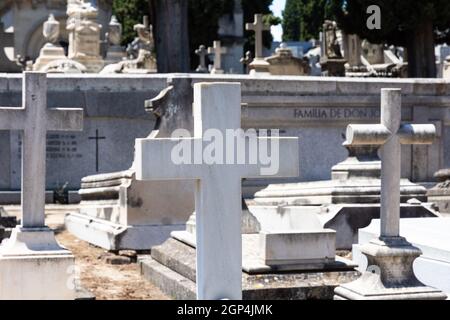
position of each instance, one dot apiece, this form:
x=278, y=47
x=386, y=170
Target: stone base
x=48, y=54
x=92, y=64
x=333, y=67
x=345, y=219
x=111, y=236
x=259, y=67
x=389, y=275
x=172, y=269
x=34, y=267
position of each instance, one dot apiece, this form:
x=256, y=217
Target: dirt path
x=105, y=281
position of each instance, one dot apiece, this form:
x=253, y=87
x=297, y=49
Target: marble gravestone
x=217, y=50
x=32, y=264
x=390, y=257
x=217, y=184
x=201, y=52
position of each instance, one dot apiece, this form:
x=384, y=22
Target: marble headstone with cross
x=218, y=184
x=390, y=257
x=32, y=264
x=258, y=65
x=217, y=50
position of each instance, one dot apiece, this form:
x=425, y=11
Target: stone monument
x=51, y=51
x=32, y=264
x=284, y=63
x=218, y=204
x=201, y=52
x=217, y=51
x=258, y=65
x=117, y=211
x=115, y=52
x=84, y=35
x=390, y=257
x=332, y=62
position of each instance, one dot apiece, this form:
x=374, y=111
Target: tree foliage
x=303, y=19
x=129, y=13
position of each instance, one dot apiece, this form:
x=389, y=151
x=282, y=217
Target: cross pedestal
x=258, y=65
x=217, y=165
x=217, y=50
x=390, y=257
x=32, y=264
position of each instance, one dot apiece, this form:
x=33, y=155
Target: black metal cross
x=96, y=138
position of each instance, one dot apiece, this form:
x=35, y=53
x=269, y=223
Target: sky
x=277, y=7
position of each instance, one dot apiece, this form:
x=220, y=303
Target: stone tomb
x=346, y=203
x=390, y=257
x=219, y=217
x=32, y=264
x=118, y=212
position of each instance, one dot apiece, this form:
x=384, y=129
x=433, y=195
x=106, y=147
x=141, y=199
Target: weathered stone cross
x=217, y=107
x=217, y=50
x=390, y=134
x=201, y=52
x=258, y=27
x=35, y=120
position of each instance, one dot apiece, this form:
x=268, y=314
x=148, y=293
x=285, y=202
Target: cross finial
x=258, y=27
x=217, y=50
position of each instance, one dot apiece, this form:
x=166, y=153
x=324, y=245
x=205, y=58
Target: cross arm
x=159, y=159
x=65, y=119
x=417, y=133
x=12, y=118
x=367, y=134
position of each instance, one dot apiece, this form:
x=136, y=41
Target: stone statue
x=144, y=39
x=332, y=48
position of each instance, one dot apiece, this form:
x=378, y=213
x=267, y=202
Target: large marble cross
x=34, y=119
x=217, y=50
x=258, y=27
x=217, y=109
x=390, y=134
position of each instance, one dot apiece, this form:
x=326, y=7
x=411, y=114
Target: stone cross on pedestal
x=217, y=50
x=32, y=249
x=259, y=65
x=258, y=27
x=218, y=205
x=390, y=257
x=201, y=52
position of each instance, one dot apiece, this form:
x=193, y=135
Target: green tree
x=291, y=21
x=303, y=19
x=129, y=13
x=415, y=25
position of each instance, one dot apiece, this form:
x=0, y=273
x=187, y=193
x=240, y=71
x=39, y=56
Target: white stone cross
x=34, y=119
x=390, y=134
x=258, y=27
x=218, y=205
x=217, y=50
x=201, y=52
